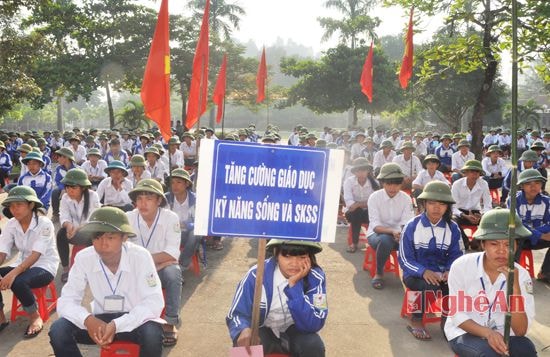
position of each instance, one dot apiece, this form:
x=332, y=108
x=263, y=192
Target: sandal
x=28, y=335
x=217, y=245
x=169, y=338
x=352, y=248
x=419, y=333
x=377, y=283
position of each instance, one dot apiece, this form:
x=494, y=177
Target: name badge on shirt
x=113, y=303
x=320, y=301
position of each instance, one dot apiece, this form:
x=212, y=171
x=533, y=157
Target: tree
x=324, y=87
x=132, y=116
x=528, y=114
x=224, y=17
x=482, y=29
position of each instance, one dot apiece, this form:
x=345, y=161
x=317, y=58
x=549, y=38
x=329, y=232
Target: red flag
x=198, y=93
x=261, y=78
x=406, y=71
x=155, y=88
x=366, y=76
x=219, y=91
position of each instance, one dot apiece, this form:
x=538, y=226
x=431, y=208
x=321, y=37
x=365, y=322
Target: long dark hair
x=86, y=198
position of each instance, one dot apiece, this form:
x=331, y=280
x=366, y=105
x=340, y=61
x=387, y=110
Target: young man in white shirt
x=383, y=156
x=113, y=191
x=158, y=230
x=495, y=167
x=459, y=158
x=126, y=291
x=174, y=155
x=189, y=149
x=94, y=167
x=410, y=165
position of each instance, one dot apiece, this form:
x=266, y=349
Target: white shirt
x=279, y=318
x=127, y=144
x=79, y=153
x=458, y=160
x=385, y=211
x=139, y=284
x=464, y=279
x=182, y=210
x=39, y=237
x=504, y=139
x=490, y=168
x=71, y=211
x=424, y=178
x=357, y=150
x=177, y=158
x=410, y=170
x=98, y=170
x=113, y=197
x=470, y=199
x=354, y=192
x=144, y=175
x=421, y=148
x=164, y=235
x=380, y=159
x=157, y=171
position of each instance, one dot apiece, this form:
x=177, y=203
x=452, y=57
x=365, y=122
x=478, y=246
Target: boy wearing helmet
x=294, y=305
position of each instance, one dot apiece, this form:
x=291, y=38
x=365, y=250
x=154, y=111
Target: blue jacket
x=418, y=250
x=60, y=172
x=307, y=317
x=444, y=155
x=41, y=183
x=5, y=162
x=534, y=217
x=122, y=156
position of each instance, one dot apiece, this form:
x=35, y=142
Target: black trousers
x=356, y=218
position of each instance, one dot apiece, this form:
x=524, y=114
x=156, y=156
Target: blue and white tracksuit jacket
x=41, y=183
x=420, y=250
x=60, y=172
x=536, y=217
x=307, y=317
x=122, y=156
x=5, y=162
x=445, y=155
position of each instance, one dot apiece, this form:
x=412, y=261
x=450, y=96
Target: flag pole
x=267, y=100
x=223, y=116
x=199, y=107
x=513, y=188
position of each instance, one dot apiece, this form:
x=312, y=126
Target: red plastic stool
x=471, y=228
x=495, y=195
x=76, y=249
x=434, y=305
x=526, y=260
x=392, y=265
x=45, y=304
x=362, y=236
x=121, y=348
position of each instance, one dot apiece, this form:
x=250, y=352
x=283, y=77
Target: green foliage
x=528, y=114
x=132, y=117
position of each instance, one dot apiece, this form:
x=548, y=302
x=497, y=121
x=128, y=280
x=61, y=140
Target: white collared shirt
x=490, y=168
x=357, y=150
x=98, y=170
x=421, y=148
x=391, y=212
x=71, y=211
x=144, y=175
x=424, y=178
x=189, y=151
x=470, y=199
x=380, y=159
x=165, y=236
x=464, y=279
x=182, y=210
x=177, y=158
x=354, y=192
x=279, y=318
x=39, y=237
x=458, y=160
x=139, y=285
x=409, y=168
x=113, y=197
x=157, y=171
x=79, y=153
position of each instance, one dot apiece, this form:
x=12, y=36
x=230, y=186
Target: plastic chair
x=526, y=260
x=433, y=305
x=121, y=348
x=495, y=195
x=471, y=228
x=392, y=265
x=76, y=249
x=45, y=304
x=362, y=234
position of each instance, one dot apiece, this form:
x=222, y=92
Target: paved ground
x=362, y=321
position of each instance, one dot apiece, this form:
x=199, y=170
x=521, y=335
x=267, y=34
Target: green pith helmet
x=174, y=140
x=463, y=142
x=33, y=156
x=159, y=147
x=535, y=133
x=93, y=151
x=332, y=146
x=529, y=155
x=152, y=150
x=25, y=148
x=386, y=144
x=473, y=165
x=390, y=171
x=494, y=226
x=137, y=160
x=2, y=145
x=76, y=177
x=360, y=163
x=148, y=185
x=314, y=247
x=537, y=145
x=407, y=145
x=321, y=143
x=116, y=164
x=32, y=143
x=493, y=148
x=187, y=135
x=66, y=152
x=269, y=138
x=107, y=220
x=446, y=137
x=431, y=157
x=437, y=191
x=311, y=136
x=530, y=175
x=41, y=141
x=457, y=136
x=22, y=194
x=182, y=174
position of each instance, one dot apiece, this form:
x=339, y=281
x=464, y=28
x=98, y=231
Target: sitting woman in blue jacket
x=293, y=307
x=430, y=244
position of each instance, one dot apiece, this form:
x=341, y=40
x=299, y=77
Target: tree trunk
x=488, y=79
x=110, y=106
x=354, y=112
x=60, y=113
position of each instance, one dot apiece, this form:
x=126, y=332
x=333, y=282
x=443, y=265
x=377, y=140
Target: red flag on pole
x=198, y=93
x=155, y=88
x=366, y=76
x=406, y=71
x=219, y=91
x=261, y=78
